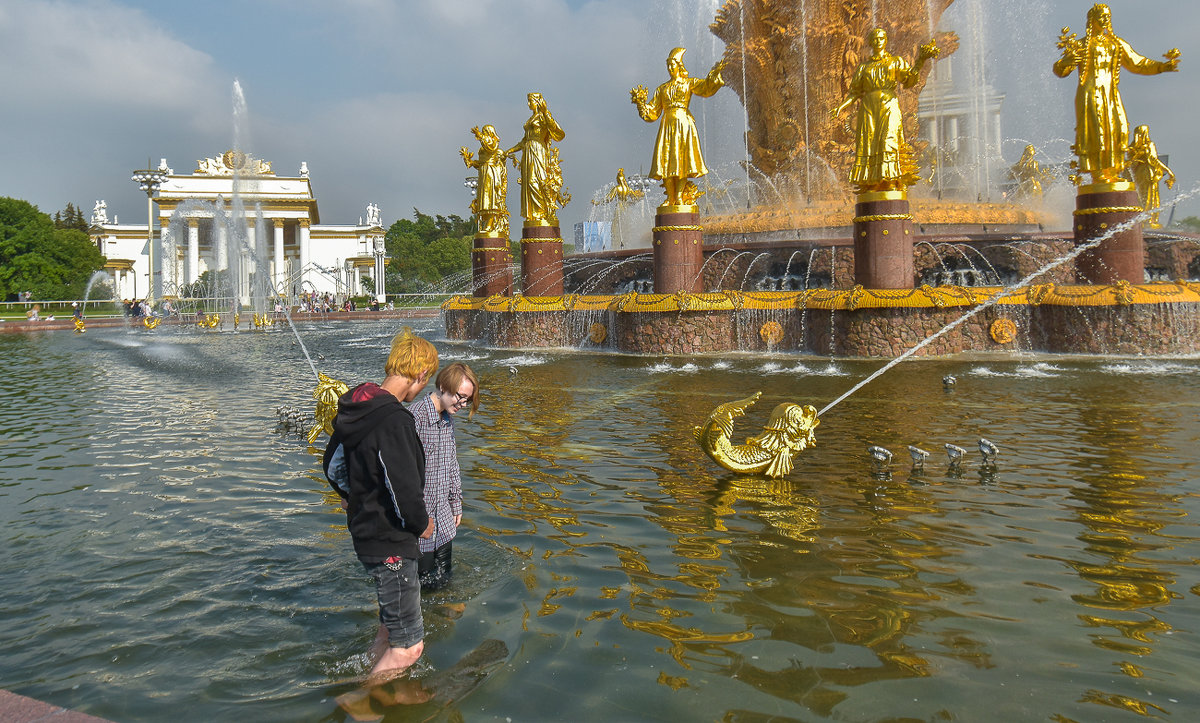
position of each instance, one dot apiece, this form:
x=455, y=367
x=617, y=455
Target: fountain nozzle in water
x=988, y=450
x=918, y=456
x=956, y=453
x=880, y=455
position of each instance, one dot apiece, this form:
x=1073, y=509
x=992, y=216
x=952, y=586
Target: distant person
x=76, y=310
x=375, y=462
x=34, y=314
x=457, y=387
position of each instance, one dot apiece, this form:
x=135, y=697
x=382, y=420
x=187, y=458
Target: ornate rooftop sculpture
x=231, y=162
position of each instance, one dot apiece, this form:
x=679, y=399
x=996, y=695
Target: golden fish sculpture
x=789, y=431
x=327, y=393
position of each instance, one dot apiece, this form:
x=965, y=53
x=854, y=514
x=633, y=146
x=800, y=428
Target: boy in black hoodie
x=376, y=463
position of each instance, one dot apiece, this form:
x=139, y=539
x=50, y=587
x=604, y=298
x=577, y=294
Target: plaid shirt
x=443, y=483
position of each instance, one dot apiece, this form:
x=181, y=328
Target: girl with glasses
x=457, y=389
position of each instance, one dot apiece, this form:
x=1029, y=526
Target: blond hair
x=411, y=356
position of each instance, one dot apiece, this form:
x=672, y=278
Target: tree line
x=51, y=257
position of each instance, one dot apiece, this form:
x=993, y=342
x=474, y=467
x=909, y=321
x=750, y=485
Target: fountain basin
x=1155, y=319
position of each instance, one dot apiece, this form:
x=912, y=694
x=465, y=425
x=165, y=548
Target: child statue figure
x=1147, y=171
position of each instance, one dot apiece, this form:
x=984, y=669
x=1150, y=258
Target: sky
x=377, y=96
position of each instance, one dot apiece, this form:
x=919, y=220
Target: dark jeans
x=434, y=568
x=399, y=601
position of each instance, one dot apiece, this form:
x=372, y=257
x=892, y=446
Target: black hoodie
x=375, y=461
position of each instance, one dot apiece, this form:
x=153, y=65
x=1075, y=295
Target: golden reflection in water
x=1123, y=514
x=788, y=557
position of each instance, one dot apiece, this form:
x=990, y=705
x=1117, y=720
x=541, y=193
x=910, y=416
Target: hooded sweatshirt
x=375, y=461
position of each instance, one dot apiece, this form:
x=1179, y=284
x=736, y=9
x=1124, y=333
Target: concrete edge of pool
x=16, y=708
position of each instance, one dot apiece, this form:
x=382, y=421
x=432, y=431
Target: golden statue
x=677, y=149
x=883, y=160
x=541, y=176
x=1028, y=174
x=622, y=192
x=1101, y=128
x=80, y=327
x=491, y=212
x=327, y=393
x=1148, y=170
x=790, y=430
x=784, y=65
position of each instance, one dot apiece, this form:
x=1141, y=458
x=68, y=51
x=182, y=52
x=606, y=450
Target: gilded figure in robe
x=541, y=176
x=677, y=154
x=883, y=160
x=1148, y=171
x=491, y=188
x=1101, y=127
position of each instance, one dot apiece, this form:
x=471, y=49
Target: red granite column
x=883, y=241
x=1099, y=208
x=541, y=261
x=678, y=250
x=490, y=272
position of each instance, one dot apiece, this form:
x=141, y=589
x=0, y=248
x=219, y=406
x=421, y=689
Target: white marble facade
x=235, y=213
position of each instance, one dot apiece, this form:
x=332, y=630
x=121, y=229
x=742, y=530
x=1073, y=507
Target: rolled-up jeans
x=399, y=592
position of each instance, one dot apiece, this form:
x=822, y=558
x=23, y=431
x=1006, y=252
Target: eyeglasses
x=460, y=399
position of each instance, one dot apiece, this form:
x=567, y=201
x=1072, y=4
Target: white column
x=169, y=264
x=222, y=252
x=356, y=289
x=280, y=272
x=193, y=251
x=952, y=132
x=246, y=267
x=305, y=251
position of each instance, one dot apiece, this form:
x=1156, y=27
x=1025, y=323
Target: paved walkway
x=19, y=709
x=68, y=323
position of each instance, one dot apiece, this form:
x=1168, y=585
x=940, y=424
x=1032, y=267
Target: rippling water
x=169, y=555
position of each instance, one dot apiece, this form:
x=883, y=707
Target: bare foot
x=402, y=692
x=358, y=704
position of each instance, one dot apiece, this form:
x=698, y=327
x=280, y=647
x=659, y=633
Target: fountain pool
x=169, y=556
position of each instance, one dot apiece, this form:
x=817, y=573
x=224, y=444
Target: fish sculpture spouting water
x=327, y=392
x=789, y=431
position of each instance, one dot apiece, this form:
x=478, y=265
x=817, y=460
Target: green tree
x=425, y=250
x=1191, y=223
x=53, y=263
x=70, y=217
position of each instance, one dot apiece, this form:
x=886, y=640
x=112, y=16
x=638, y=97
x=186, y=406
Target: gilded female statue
x=489, y=207
x=1147, y=171
x=1028, y=174
x=677, y=149
x=541, y=177
x=1101, y=128
x=882, y=159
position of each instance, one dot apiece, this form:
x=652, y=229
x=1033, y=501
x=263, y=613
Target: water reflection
x=622, y=572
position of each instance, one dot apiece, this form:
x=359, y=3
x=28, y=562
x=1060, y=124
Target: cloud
x=97, y=54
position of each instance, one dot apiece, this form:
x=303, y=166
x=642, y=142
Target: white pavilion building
x=234, y=213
